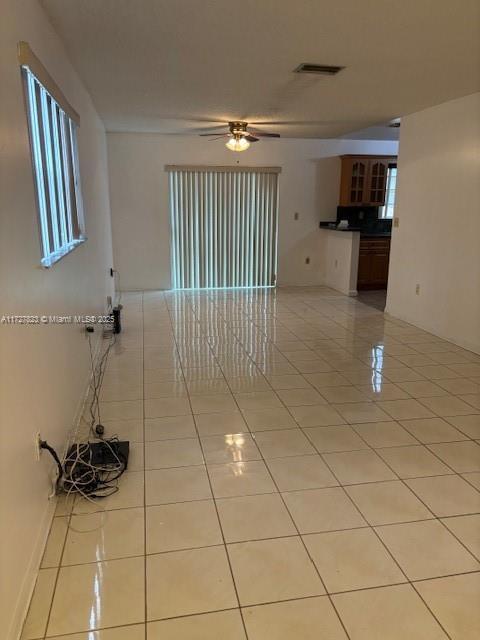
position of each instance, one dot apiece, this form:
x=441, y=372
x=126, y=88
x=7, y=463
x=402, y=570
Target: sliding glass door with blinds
x=223, y=226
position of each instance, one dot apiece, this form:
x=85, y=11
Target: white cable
x=91, y=473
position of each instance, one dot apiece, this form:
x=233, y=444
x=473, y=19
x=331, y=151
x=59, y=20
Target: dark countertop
x=364, y=233
x=333, y=227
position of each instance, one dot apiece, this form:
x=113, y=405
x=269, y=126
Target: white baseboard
x=346, y=292
x=30, y=578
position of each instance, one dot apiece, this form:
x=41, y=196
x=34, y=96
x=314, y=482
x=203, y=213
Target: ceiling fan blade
x=212, y=134
x=264, y=134
x=217, y=137
x=274, y=123
x=251, y=138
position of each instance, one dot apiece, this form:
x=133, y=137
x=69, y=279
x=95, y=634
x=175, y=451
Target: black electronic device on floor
x=90, y=468
x=101, y=454
x=108, y=453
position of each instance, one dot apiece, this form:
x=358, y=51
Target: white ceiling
x=378, y=132
x=179, y=66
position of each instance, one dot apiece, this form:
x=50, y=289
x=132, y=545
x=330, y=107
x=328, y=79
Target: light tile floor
x=303, y=467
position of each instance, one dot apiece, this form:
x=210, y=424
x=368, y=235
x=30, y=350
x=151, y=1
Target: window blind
x=53, y=125
x=223, y=226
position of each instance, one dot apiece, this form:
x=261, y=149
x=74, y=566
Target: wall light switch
x=396, y=222
x=417, y=289
x=307, y=260
x=296, y=215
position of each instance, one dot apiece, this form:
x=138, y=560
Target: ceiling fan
x=240, y=135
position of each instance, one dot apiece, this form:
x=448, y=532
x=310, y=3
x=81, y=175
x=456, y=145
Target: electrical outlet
x=38, y=450
x=396, y=222
x=417, y=289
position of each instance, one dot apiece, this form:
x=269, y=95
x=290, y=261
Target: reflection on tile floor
x=376, y=299
x=310, y=471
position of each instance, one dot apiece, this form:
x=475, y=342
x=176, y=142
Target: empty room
x=240, y=320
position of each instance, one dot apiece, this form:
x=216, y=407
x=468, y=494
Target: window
x=223, y=226
x=53, y=140
x=387, y=210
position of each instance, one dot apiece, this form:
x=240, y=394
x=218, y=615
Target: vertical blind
x=55, y=161
x=223, y=226
x=53, y=127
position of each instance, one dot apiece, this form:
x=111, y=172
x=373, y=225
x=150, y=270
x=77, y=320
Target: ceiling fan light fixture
x=237, y=143
x=240, y=135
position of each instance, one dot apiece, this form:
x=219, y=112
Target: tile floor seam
x=62, y=635
x=216, y=510
x=53, y=594
x=364, y=518
x=438, y=519
x=305, y=547
x=412, y=584
x=145, y=580
x=435, y=517
x=228, y=498
x=390, y=553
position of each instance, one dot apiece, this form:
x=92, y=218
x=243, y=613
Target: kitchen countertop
x=332, y=226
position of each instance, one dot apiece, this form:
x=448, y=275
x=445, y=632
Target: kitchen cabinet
x=364, y=180
x=374, y=255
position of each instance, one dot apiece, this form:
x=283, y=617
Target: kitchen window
x=53, y=128
x=386, y=211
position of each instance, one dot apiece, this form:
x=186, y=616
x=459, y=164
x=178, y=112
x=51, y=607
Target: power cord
x=98, y=373
x=91, y=482
x=44, y=445
x=80, y=475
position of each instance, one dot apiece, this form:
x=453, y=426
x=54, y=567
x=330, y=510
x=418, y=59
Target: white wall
x=341, y=249
x=44, y=369
x=437, y=244
x=309, y=185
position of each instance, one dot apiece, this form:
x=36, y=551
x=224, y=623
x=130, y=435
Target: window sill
x=50, y=260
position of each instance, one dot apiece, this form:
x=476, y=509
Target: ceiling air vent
x=319, y=69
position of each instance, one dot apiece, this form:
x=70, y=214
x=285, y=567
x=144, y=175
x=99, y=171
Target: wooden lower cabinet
x=373, y=263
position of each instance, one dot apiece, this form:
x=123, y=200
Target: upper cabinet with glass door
x=364, y=180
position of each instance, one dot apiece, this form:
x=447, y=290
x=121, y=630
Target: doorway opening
x=375, y=240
